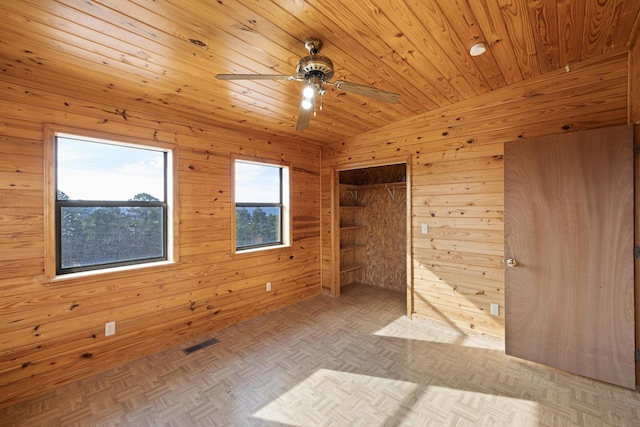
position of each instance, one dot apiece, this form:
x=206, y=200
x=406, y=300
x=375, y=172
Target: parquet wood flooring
x=352, y=361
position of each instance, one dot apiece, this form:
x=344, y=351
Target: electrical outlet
x=425, y=229
x=268, y=286
x=495, y=309
x=109, y=328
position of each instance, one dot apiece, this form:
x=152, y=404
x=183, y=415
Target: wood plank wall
x=457, y=179
x=52, y=333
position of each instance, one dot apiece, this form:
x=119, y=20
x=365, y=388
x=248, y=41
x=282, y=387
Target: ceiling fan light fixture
x=307, y=104
x=477, y=49
x=308, y=92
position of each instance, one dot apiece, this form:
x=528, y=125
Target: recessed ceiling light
x=477, y=49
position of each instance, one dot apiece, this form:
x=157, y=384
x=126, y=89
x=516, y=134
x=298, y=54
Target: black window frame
x=60, y=204
x=280, y=205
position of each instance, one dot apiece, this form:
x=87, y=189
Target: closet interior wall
x=381, y=192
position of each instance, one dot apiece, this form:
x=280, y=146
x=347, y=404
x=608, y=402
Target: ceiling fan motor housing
x=315, y=65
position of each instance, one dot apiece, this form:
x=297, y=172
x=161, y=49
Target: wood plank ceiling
x=164, y=54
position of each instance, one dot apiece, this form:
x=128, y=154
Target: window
x=111, y=203
x=261, y=205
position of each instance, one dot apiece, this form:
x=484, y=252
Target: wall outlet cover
x=495, y=309
x=109, y=329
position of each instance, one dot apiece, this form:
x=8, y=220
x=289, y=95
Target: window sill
x=265, y=248
x=109, y=271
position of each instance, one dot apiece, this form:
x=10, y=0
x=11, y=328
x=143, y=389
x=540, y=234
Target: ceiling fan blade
x=371, y=92
x=304, y=115
x=254, y=77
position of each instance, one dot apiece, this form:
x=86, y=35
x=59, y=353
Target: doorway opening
x=372, y=228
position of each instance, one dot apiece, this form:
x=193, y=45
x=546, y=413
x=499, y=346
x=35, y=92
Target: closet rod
x=390, y=187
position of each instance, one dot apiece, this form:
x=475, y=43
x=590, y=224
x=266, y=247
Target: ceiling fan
x=315, y=71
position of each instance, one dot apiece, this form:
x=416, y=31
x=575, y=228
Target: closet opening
x=372, y=227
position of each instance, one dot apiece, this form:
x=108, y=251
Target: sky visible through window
x=257, y=183
x=97, y=171
x=100, y=171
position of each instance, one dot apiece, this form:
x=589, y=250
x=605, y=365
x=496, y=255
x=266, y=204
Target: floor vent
x=202, y=345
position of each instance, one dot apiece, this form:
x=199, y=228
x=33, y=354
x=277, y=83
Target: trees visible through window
x=111, y=204
x=261, y=191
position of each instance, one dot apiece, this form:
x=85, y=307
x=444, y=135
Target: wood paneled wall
x=457, y=179
x=53, y=332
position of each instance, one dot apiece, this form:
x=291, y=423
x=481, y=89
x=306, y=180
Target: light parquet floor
x=352, y=361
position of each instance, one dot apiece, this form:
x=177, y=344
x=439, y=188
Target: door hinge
x=636, y=149
x=637, y=355
x=636, y=251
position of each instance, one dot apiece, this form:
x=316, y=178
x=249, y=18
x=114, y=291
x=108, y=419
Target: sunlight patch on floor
x=463, y=407
x=431, y=331
x=341, y=397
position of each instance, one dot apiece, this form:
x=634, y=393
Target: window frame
x=53, y=206
x=284, y=205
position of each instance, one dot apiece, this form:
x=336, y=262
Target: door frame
x=335, y=221
x=636, y=207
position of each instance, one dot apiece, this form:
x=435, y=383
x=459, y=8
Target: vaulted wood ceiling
x=164, y=54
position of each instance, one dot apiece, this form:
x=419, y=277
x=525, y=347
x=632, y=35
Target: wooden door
x=569, y=300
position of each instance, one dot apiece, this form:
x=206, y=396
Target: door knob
x=512, y=262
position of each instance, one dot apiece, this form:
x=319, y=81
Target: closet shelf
x=353, y=227
x=351, y=267
x=401, y=184
x=353, y=246
x=349, y=247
